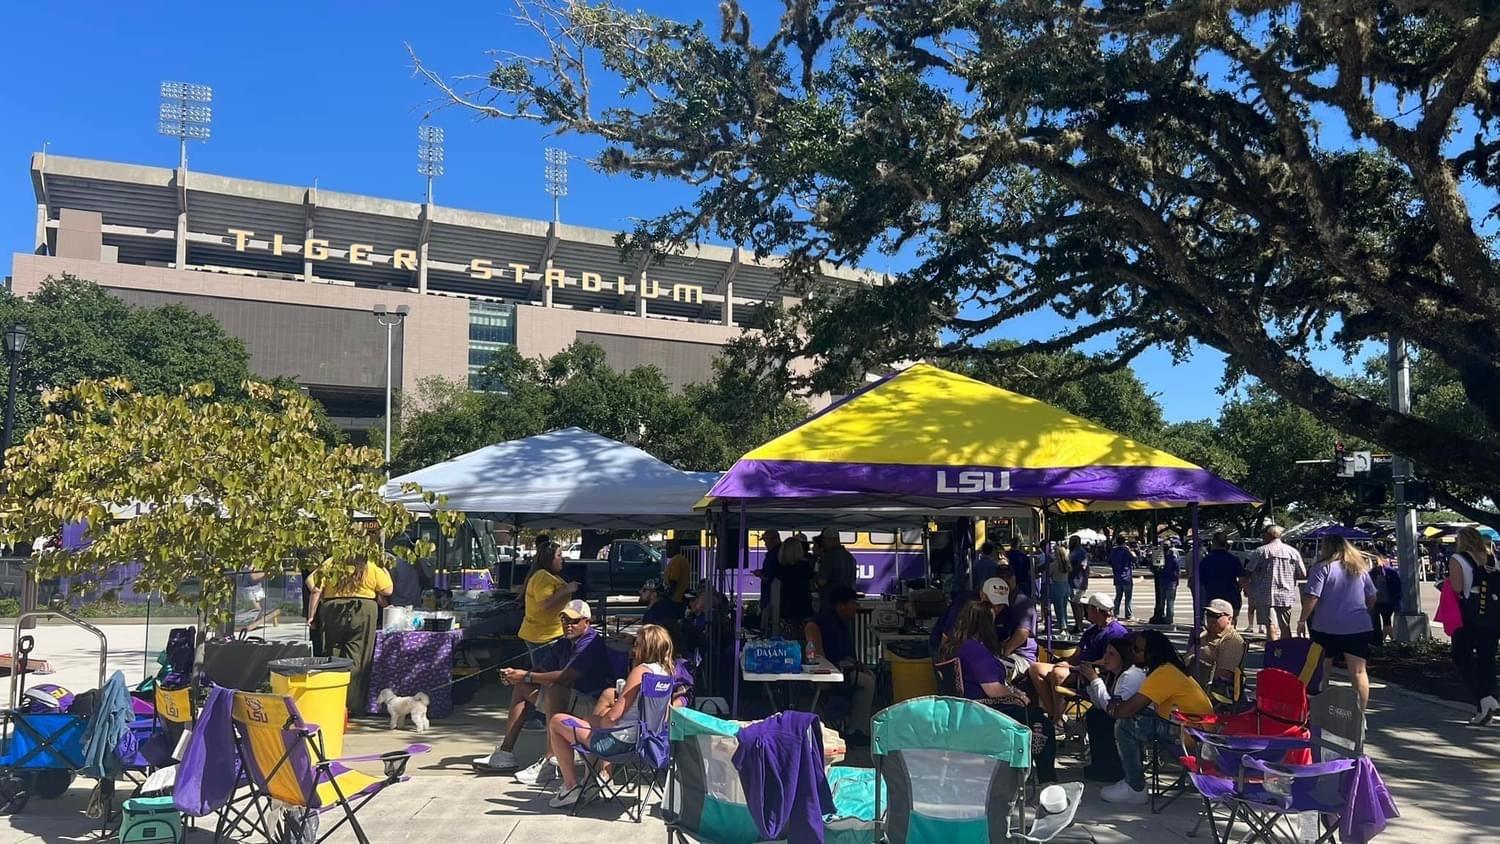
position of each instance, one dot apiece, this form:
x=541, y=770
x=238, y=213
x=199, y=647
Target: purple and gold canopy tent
x=929, y=441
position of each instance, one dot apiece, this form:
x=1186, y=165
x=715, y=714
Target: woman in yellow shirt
x=546, y=595
x=342, y=617
x=1168, y=688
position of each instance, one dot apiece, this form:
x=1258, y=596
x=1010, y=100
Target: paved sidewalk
x=1442, y=773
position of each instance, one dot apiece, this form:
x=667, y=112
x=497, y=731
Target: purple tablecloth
x=414, y=661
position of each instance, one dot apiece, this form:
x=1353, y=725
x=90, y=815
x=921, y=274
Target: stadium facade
x=295, y=272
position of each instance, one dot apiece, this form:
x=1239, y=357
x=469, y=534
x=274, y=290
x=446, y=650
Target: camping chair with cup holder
x=955, y=769
x=1302, y=658
x=287, y=765
x=640, y=766
x=706, y=802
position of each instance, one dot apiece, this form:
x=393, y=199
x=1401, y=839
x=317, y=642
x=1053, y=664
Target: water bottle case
x=773, y=656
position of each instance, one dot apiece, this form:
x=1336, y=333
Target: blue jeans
x=1133, y=736
x=1123, y=593
x=1170, y=591
x=1060, y=593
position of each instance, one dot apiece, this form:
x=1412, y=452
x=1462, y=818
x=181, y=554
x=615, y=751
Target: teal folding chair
x=954, y=770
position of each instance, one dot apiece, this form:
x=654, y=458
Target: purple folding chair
x=648, y=755
x=285, y=760
x=1213, y=763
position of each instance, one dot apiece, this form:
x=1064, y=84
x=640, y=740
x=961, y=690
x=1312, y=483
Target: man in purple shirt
x=1122, y=562
x=1046, y=679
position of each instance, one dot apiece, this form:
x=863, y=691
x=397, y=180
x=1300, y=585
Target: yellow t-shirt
x=1171, y=689
x=541, y=625
x=679, y=574
x=375, y=581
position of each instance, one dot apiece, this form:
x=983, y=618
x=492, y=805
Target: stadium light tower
x=430, y=155
x=557, y=178
x=185, y=114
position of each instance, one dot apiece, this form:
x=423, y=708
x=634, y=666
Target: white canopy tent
x=570, y=478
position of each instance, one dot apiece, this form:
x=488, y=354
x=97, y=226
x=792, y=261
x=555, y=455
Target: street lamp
x=15, y=347
x=390, y=319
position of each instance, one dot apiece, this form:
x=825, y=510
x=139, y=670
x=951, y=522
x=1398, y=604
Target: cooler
x=319, y=686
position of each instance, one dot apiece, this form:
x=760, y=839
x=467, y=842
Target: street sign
x=1362, y=462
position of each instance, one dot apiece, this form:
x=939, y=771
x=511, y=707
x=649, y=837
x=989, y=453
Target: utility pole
x=1412, y=624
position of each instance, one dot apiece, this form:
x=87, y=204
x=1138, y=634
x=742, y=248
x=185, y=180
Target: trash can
x=319, y=685
x=911, y=670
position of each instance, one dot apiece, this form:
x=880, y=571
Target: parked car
x=573, y=552
x=627, y=566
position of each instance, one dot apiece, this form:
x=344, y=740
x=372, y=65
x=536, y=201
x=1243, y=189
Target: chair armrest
x=1316, y=769
x=408, y=751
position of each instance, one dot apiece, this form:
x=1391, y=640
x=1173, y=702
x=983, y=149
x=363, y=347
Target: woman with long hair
x=1336, y=606
x=1117, y=678
x=973, y=642
x=793, y=586
x=342, y=617
x=1474, y=644
x=545, y=596
x=1168, y=688
x=616, y=720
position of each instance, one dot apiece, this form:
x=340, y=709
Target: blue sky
x=324, y=92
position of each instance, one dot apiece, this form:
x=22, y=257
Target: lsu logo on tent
x=973, y=481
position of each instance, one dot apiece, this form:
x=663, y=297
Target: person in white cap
x=1047, y=678
x=1222, y=652
x=570, y=676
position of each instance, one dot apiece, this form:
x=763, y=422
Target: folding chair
x=1214, y=765
x=1302, y=658
x=955, y=770
x=705, y=801
x=647, y=757
x=285, y=760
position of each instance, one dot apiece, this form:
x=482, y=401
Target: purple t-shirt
x=589, y=656
x=979, y=667
x=1096, y=639
x=1341, y=608
x=1020, y=614
x=1122, y=560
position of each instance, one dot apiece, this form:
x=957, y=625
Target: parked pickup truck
x=630, y=564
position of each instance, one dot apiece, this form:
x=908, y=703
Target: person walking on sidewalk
x=1122, y=562
x=1474, y=578
x=1274, y=570
x=1339, y=596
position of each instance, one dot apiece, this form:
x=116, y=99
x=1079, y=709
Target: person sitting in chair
x=828, y=634
x=576, y=665
x=1168, y=688
x=616, y=721
x=972, y=642
x=659, y=609
x=1047, y=678
x=1118, y=677
x=1222, y=653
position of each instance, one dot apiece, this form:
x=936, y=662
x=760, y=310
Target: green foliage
x=702, y=427
x=220, y=486
x=1159, y=174
x=77, y=331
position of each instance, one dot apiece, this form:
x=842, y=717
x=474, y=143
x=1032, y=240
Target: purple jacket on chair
x=780, y=761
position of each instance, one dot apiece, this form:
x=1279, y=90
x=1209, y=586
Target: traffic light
x=1370, y=494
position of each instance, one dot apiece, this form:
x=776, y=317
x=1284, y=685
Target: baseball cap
x=995, y=591
x=577, y=609
x=1219, y=606
x=1101, y=601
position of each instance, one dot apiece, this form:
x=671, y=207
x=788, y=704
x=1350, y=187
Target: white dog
x=400, y=707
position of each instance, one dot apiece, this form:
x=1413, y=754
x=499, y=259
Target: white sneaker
x=1487, y=709
x=540, y=772
x=566, y=798
x=1121, y=793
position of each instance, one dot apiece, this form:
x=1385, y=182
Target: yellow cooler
x=319, y=686
x=911, y=670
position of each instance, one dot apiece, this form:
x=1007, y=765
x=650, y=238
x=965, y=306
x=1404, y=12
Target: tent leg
x=1195, y=582
x=739, y=610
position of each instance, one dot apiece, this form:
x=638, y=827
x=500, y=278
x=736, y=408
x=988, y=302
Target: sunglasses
x=569, y=621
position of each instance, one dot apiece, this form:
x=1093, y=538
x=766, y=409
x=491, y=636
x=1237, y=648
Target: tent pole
x=1195, y=583
x=743, y=544
x=1045, y=580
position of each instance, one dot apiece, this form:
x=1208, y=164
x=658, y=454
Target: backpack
x=1482, y=608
